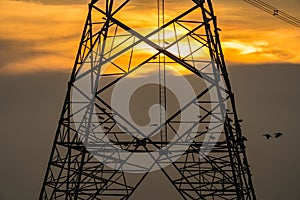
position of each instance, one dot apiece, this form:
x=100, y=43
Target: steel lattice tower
x=94, y=146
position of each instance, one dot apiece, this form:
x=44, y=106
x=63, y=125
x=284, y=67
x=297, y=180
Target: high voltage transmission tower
x=175, y=71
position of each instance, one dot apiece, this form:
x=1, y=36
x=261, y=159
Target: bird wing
x=278, y=134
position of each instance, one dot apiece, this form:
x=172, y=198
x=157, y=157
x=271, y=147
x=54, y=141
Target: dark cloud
x=13, y=51
x=267, y=98
x=56, y=2
x=140, y=3
x=29, y=107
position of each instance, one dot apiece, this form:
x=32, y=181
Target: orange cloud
x=246, y=36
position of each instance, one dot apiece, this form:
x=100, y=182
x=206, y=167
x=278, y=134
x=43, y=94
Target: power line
x=275, y=12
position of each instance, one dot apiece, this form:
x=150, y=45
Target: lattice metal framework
x=74, y=172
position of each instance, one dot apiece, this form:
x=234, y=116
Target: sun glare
x=52, y=34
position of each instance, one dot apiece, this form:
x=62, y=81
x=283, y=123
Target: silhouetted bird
x=277, y=135
x=244, y=139
x=101, y=117
x=141, y=142
x=153, y=125
x=267, y=135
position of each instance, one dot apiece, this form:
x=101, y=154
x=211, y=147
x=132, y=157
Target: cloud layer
x=42, y=35
x=56, y=2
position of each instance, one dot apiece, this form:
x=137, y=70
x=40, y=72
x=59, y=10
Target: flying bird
x=267, y=135
x=277, y=135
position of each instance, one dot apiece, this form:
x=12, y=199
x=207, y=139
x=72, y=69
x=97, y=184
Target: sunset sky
x=38, y=44
x=44, y=35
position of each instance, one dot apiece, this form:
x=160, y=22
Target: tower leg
x=100, y=153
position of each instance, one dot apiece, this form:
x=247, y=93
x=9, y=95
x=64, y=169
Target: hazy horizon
x=266, y=98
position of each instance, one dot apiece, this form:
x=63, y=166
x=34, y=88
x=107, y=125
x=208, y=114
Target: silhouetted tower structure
x=100, y=153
